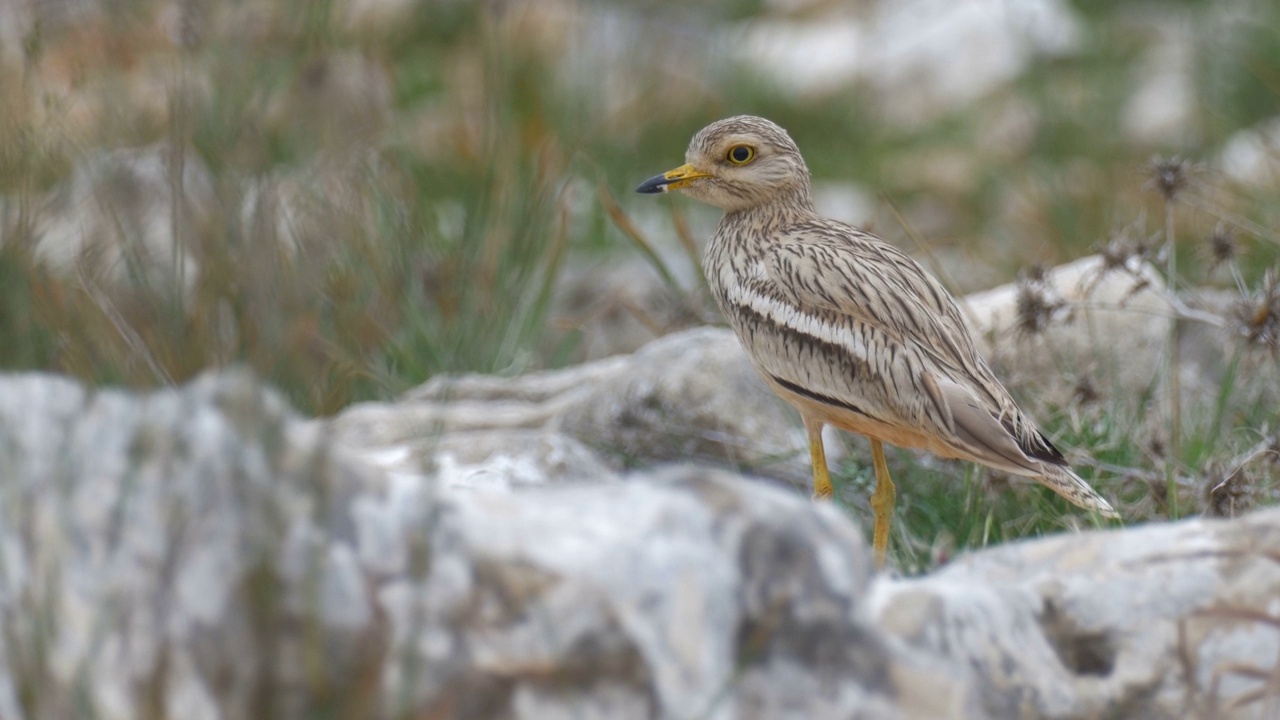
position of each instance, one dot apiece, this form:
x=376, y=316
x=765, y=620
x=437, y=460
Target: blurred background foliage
x=354, y=195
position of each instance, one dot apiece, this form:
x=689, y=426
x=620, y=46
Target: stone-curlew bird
x=846, y=328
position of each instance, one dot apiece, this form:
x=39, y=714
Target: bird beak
x=681, y=177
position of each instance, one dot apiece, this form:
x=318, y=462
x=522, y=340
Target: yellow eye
x=740, y=154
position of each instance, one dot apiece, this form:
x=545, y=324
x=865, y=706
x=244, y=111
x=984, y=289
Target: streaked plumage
x=845, y=327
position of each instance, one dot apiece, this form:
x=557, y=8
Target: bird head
x=736, y=164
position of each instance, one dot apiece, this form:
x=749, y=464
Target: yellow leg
x=822, y=489
x=881, y=503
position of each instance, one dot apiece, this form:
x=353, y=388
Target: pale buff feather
x=847, y=328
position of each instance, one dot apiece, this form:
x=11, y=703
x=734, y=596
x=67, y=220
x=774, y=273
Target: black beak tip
x=652, y=186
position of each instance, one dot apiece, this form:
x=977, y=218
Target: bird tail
x=1061, y=480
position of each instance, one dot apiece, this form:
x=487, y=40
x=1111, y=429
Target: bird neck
x=785, y=208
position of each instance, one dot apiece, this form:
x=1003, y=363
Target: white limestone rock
x=202, y=552
x=688, y=396
x=1149, y=622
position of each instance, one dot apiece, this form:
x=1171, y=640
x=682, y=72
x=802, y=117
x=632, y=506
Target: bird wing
x=843, y=270
x=917, y=346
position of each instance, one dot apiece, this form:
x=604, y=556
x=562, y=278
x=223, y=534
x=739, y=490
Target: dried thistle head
x=1035, y=307
x=1256, y=316
x=1220, y=247
x=1085, y=391
x=1037, y=273
x=1114, y=253
x=1121, y=247
x=1156, y=447
x=1168, y=176
x=1228, y=493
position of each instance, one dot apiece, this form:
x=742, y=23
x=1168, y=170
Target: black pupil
x=740, y=153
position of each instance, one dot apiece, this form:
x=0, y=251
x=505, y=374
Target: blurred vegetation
x=395, y=193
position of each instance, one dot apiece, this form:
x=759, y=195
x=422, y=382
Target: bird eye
x=740, y=154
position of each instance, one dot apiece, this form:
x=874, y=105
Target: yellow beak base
x=670, y=180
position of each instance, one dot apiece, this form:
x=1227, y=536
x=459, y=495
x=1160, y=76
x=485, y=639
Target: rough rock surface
x=692, y=395
x=1152, y=622
x=202, y=553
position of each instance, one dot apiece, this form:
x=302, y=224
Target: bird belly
x=860, y=423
